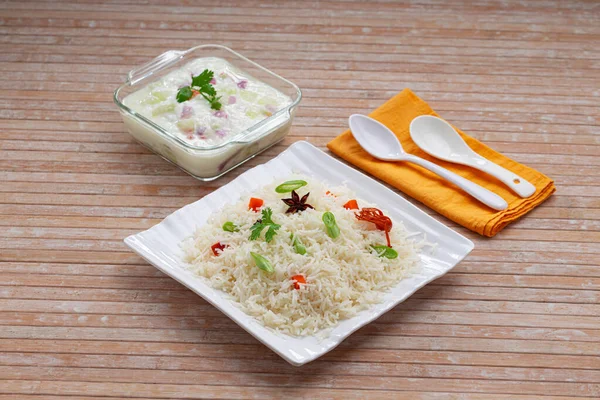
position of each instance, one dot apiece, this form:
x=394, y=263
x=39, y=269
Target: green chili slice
x=230, y=227
x=333, y=231
x=298, y=245
x=262, y=262
x=288, y=186
x=384, y=251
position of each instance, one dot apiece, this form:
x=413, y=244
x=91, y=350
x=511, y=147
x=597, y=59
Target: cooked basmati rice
x=343, y=276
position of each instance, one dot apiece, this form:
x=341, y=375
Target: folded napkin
x=433, y=191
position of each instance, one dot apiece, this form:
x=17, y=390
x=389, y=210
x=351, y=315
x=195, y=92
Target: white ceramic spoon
x=438, y=138
x=381, y=143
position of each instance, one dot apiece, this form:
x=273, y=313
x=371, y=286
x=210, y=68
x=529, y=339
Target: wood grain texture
x=82, y=317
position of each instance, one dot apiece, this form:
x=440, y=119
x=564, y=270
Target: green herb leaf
x=271, y=232
x=384, y=251
x=255, y=230
x=267, y=214
x=288, y=186
x=230, y=227
x=216, y=104
x=184, y=94
x=262, y=262
x=203, y=79
x=202, y=84
x=208, y=89
x=265, y=221
x=333, y=230
x=298, y=245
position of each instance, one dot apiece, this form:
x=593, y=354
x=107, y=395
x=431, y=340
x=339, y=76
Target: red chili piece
x=376, y=216
x=217, y=248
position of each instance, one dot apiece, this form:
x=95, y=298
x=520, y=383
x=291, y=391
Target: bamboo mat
x=82, y=317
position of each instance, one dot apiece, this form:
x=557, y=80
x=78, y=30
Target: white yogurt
x=245, y=102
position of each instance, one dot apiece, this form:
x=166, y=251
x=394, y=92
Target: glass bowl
x=206, y=162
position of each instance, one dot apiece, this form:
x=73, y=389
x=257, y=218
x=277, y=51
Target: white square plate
x=160, y=244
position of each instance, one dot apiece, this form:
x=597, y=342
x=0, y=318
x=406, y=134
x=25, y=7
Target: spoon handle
x=480, y=193
x=520, y=186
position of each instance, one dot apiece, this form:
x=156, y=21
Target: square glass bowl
x=207, y=162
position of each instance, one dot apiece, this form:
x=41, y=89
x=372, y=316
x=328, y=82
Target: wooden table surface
x=82, y=317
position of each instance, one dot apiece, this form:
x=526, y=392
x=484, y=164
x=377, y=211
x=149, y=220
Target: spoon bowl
x=439, y=139
x=375, y=138
x=435, y=136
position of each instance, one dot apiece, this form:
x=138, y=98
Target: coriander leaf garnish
x=184, y=94
x=201, y=85
x=265, y=221
x=208, y=89
x=271, y=232
x=203, y=79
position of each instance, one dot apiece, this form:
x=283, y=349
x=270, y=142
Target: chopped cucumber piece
x=150, y=100
x=267, y=100
x=248, y=95
x=228, y=90
x=186, y=125
x=155, y=97
x=252, y=114
x=165, y=108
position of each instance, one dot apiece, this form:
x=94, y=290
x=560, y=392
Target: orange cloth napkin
x=433, y=191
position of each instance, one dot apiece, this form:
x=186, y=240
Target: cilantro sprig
x=201, y=84
x=262, y=223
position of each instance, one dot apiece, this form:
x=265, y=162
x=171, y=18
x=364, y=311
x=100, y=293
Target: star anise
x=296, y=203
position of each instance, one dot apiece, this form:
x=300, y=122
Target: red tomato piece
x=298, y=280
x=351, y=205
x=255, y=204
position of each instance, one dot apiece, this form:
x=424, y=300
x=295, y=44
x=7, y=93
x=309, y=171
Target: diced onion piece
x=186, y=112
